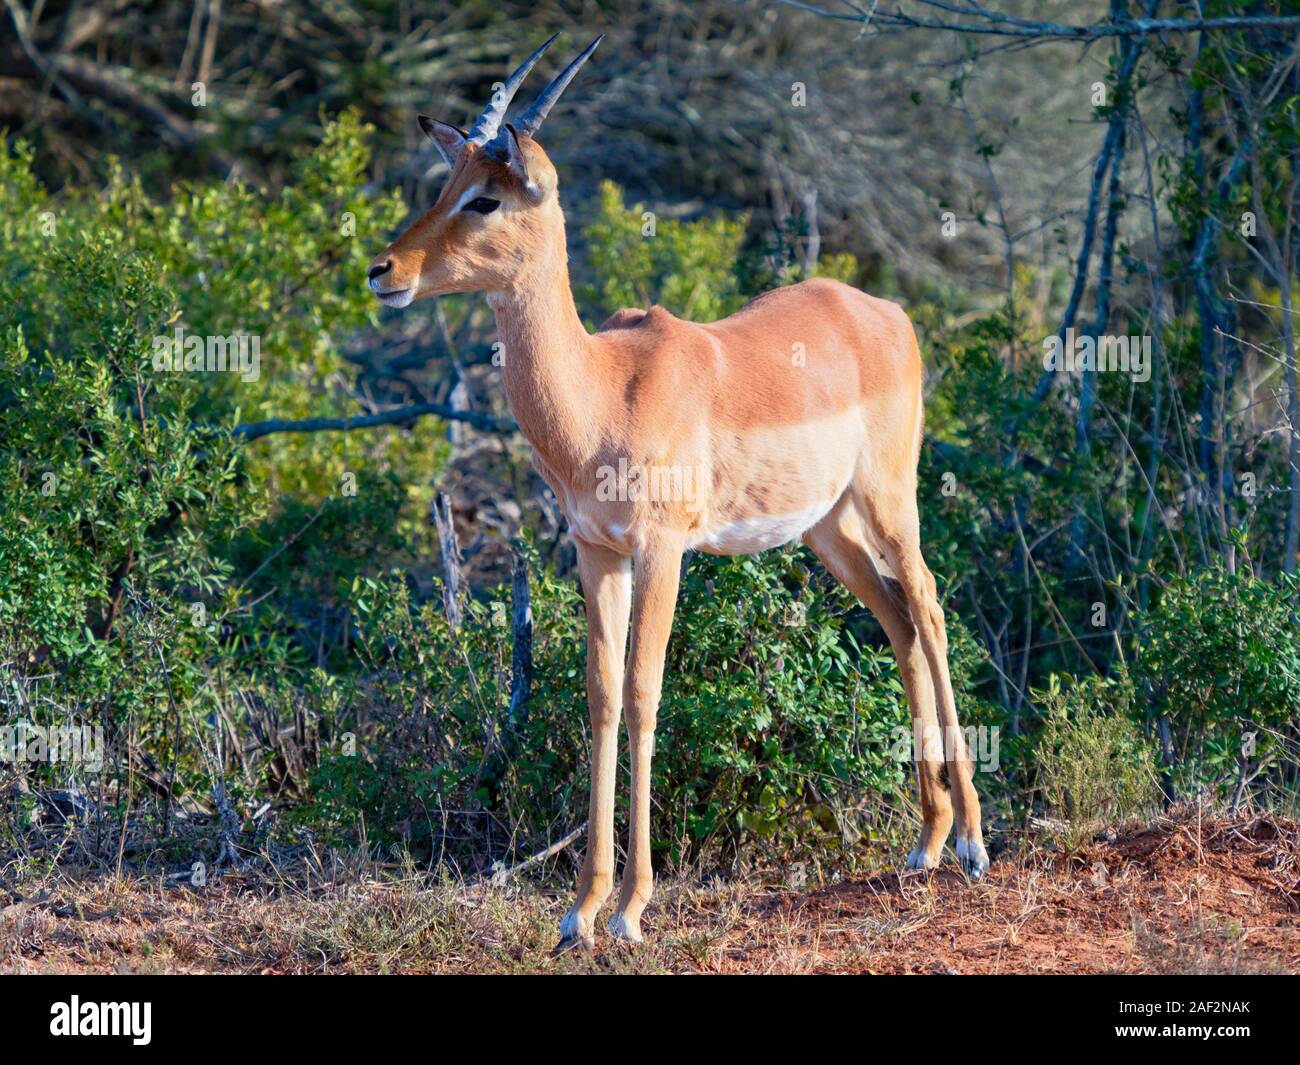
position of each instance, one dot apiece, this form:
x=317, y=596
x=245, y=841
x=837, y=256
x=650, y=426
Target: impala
x=799, y=417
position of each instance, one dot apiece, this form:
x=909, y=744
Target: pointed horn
x=486, y=125
x=532, y=119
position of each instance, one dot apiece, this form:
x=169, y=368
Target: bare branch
x=1115, y=126
x=449, y=549
x=971, y=18
x=73, y=75
x=500, y=874
x=486, y=423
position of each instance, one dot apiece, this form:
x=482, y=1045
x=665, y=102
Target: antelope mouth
x=397, y=297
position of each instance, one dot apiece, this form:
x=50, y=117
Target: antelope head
x=498, y=213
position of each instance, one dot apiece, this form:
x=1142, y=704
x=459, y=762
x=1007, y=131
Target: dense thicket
x=263, y=617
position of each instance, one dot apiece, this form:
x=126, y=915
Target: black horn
x=531, y=120
x=489, y=122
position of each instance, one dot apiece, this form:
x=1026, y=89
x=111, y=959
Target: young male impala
x=799, y=416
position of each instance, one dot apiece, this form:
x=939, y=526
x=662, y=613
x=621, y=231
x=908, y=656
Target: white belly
x=761, y=532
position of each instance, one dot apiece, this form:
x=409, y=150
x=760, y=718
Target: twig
x=209, y=41
x=284, y=546
x=40, y=62
x=500, y=874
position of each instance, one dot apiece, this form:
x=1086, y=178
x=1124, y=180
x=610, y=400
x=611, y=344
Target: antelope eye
x=482, y=205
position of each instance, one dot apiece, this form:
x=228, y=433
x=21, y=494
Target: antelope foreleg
x=657, y=572
x=607, y=592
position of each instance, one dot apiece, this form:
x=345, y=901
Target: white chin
x=396, y=299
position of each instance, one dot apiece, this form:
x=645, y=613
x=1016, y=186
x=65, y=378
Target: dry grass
x=1182, y=895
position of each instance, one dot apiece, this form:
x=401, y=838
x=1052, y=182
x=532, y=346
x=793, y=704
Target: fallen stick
x=500, y=874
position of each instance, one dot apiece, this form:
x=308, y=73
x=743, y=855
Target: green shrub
x=700, y=270
x=638, y=259
x=130, y=518
x=1095, y=768
x=111, y=500
x=1220, y=654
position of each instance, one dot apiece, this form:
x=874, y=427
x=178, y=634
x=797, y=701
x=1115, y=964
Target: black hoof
x=571, y=943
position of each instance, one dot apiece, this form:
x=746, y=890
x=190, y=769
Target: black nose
x=379, y=269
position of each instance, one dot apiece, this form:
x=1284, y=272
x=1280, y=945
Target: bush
x=1095, y=768
x=112, y=504
x=688, y=267
x=130, y=517
x=700, y=270
x=1220, y=654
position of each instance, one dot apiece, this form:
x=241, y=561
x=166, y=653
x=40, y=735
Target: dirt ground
x=1183, y=895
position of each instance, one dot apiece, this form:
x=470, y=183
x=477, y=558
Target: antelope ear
x=507, y=144
x=448, y=138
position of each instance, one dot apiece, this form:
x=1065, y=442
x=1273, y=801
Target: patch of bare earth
x=1180, y=895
